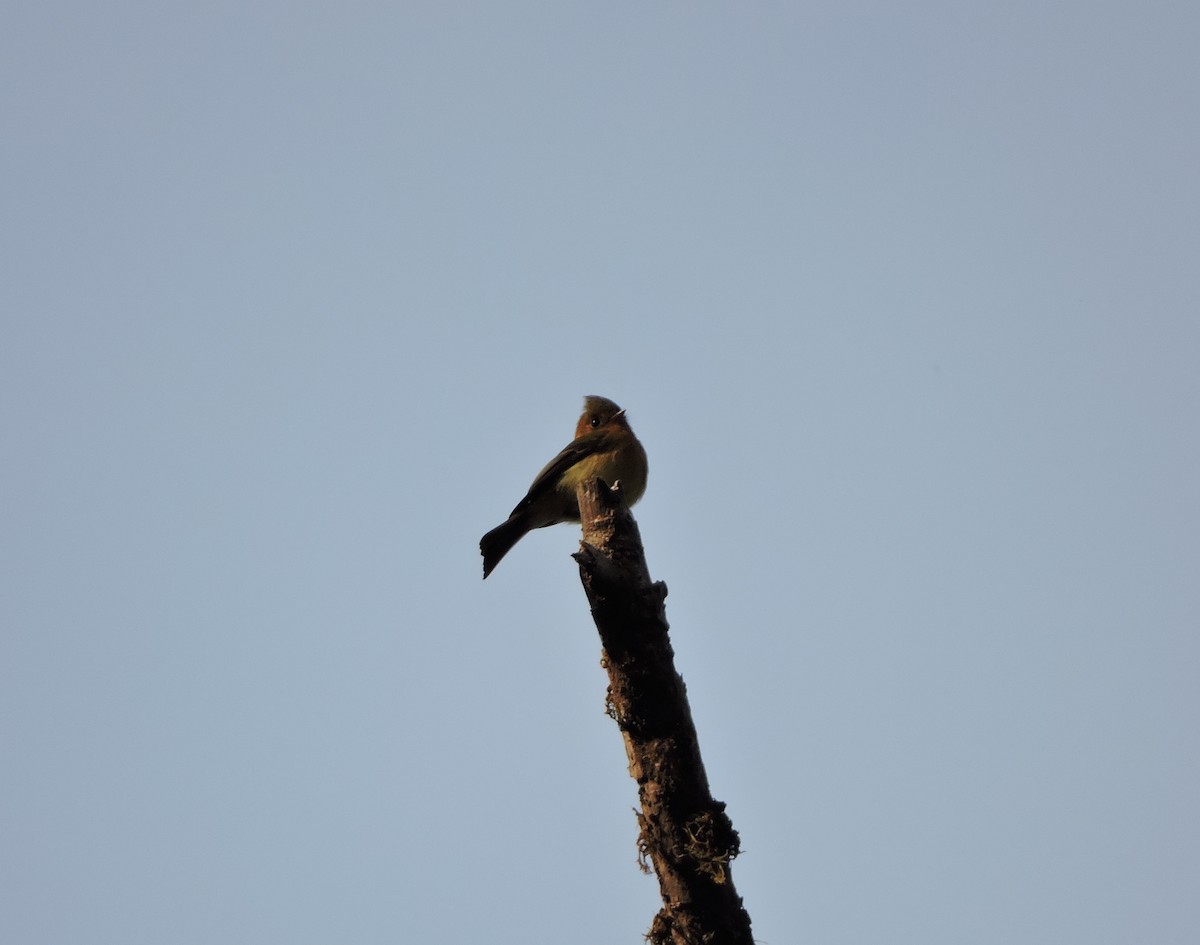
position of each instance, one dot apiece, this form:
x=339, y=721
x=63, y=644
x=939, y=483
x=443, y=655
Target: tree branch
x=684, y=833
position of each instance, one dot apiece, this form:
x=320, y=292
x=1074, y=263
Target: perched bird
x=603, y=447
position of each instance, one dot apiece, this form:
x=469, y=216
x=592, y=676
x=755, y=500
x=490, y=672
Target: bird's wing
x=575, y=451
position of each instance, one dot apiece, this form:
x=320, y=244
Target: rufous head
x=599, y=412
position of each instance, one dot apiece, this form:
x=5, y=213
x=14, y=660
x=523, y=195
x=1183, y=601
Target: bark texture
x=684, y=833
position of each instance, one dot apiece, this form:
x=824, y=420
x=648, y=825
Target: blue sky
x=298, y=298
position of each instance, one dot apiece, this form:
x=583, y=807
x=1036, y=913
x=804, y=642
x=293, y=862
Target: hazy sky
x=904, y=302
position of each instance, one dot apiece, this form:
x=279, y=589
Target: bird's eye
x=595, y=422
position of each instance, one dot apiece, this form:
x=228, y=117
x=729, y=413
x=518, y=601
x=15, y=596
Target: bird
x=604, y=447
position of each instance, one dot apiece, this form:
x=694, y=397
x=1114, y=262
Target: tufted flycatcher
x=603, y=447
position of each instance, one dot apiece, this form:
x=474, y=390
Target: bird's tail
x=499, y=541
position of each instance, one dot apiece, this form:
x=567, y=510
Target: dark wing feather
x=572, y=453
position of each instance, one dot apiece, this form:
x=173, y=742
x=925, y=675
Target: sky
x=297, y=298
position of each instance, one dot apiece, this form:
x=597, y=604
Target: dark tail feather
x=499, y=541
